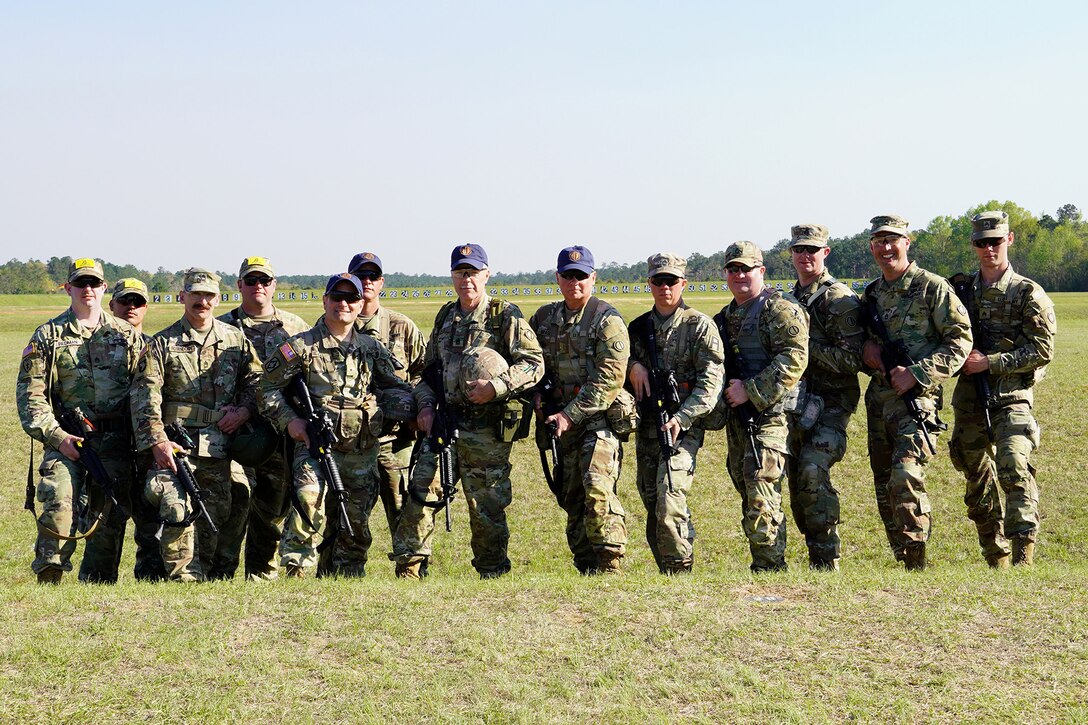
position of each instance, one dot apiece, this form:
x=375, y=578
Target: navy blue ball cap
x=365, y=258
x=344, y=277
x=576, y=257
x=471, y=254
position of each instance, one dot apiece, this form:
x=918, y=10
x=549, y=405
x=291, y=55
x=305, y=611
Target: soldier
x=472, y=337
x=267, y=327
x=202, y=374
x=767, y=338
x=828, y=395
x=403, y=339
x=129, y=303
x=1014, y=327
x=920, y=310
x=82, y=361
x=676, y=347
x=586, y=348
x=344, y=370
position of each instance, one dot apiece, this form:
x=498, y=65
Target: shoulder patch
x=287, y=351
x=272, y=364
x=793, y=330
x=30, y=349
x=618, y=346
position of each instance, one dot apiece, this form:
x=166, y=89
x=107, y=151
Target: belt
x=190, y=414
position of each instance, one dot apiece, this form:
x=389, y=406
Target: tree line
x=1053, y=250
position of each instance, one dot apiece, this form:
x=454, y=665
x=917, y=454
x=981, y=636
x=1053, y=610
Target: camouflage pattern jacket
x=344, y=378
x=688, y=343
x=189, y=377
x=400, y=336
x=1015, y=327
x=587, y=350
x=835, y=336
x=266, y=334
x=72, y=366
x=922, y=310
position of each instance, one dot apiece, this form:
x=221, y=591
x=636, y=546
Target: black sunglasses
x=254, y=281
x=339, y=296
x=83, y=282
x=805, y=249
x=369, y=275
x=664, y=280
x=738, y=268
x=983, y=243
x=574, y=274
x=130, y=301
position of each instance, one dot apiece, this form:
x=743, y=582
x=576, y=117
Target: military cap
x=130, y=286
x=667, y=263
x=889, y=223
x=344, y=277
x=255, y=264
x=200, y=280
x=85, y=267
x=746, y=253
x=814, y=235
x=472, y=255
x=364, y=258
x=989, y=225
x=576, y=257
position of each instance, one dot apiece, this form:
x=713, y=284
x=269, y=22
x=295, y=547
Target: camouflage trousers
x=145, y=523
x=1003, y=463
x=814, y=501
x=195, y=552
x=595, y=518
x=670, y=531
x=262, y=525
x=482, y=463
x=340, y=554
x=64, y=486
x=394, y=458
x=757, y=476
x=898, y=454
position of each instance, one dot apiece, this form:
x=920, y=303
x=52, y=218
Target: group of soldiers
x=256, y=427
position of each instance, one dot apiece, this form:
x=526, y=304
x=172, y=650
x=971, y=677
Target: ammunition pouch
x=808, y=407
x=514, y=421
x=357, y=422
x=622, y=415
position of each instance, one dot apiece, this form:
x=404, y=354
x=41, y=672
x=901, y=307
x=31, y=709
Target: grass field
x=871, y=643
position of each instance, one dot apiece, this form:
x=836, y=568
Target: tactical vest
x=754, y=357
x=816, y=328
x=998, y=323
x=579, y=352
x=680, y=342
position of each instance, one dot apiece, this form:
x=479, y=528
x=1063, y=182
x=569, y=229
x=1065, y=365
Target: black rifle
x=961, y=283
x=177, y=433
x=445, y=429
x=76, y=423
x=664, y=398
x=746, y=412
x=320, y=432
x=550, y=403
x=894, y=354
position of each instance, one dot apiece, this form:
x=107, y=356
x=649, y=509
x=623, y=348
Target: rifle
x=893, y=354
x=961, y=283
x=445, y=429
x=664, y=396
x=746, y=412
x=320, y=432
x=177, y=433
x=549, y=391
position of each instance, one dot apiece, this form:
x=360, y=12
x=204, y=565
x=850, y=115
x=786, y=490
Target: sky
x=197, y=133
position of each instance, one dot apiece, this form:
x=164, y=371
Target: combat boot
x=610, y=562
x=816, y=563
x=998, y=562
x=1023, y=552
x=409, y=571
x=50, y=575
x=294, y=571
x=676, y=569
x=914, y=557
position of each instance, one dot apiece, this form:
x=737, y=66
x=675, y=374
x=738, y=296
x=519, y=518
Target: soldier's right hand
x=640, y=381
x=870, y=354
x=163, y=453
x=68, y=447
x=425, y=419
x=297, y=430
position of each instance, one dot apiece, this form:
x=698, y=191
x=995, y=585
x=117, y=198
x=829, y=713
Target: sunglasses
x=805, y=249
x=983, y=243
x=368, y=275
x=131, y=301
x=664, y=280
x=349, y=297
x=574, y=274
x=84, y=282
x=737, y=269
x=254, y=281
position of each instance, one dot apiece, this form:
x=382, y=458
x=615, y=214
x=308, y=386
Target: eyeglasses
x=664, y=280
x=130, y=301
x=805, y=249
x=574, y=274
x=254, y=281
x=83, y=282
x=349, y=297
x=465, y=273
x=983, y=243
x=737, y=269
x=368, y=275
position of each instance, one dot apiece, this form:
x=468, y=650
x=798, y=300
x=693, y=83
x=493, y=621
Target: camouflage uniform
x=920, y=309
x=1014, y=326
x=91, y=371
x=587, y=351
x=769, y=333
x=689, y=345
x=262, y=523
x=343, y=378
x=188, y=376
x=834, y=359
x=145, y=523
x=482, y=457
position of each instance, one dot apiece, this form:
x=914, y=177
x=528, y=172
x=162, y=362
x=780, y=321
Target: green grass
x=872, y=643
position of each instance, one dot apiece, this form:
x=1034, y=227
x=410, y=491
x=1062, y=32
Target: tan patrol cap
x=814, y=235
x=130, y=286
x=989, y=225
x=200, y=280
x=890, y=223
x=745, y=253
x=667, y=263
x=255, y=264
x=85, y=267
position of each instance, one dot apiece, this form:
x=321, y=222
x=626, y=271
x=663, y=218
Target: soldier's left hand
x=562, y=421
x=735, y=393
x=233, y=418
x=481, y=391
x=672, y=425
x=902, y=380
x=976, y=363
x=870, y=355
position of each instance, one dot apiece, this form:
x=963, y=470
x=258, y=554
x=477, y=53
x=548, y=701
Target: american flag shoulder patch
x=287, y=351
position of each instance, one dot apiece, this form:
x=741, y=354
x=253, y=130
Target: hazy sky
x=195, y=133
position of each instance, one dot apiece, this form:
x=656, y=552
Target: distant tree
x=1068, y=214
